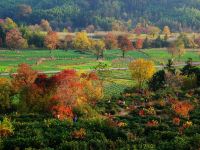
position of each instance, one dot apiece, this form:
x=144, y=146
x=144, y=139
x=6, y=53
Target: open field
x=43, y=60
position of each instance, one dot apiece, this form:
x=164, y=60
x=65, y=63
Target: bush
x=157, y=81
x=73, y=145
x=6, y=128
x=5, y=95
x=181, y=143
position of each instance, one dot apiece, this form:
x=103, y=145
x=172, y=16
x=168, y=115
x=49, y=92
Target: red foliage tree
x=14, y=40
x=124, y=44
x=140, y=30
x=139, y=44
x=68, y=93
x=176, y=121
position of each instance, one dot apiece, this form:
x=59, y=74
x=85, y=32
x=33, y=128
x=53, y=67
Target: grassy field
x=43, y=60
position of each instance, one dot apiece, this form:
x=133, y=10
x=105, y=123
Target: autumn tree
x=153, y=30
x=82, y=42
x=36, y=97
x=99, y=47
x=177, y=48
x=110, y=41
x=14, y=40
x=124, y=44
x=68, y=41
x=141, y=70
x=166, y=31
x=139, y=44
x=25, y=76
x=140, y=29
x=9, y=24
x=90, y=29
x=93, y=88
x=69, y=93
x=182, y=108
x=45, y=26
x=51, y=40
x=24, y=10
x=119, y=26
x=5, y=26
x=5, y=94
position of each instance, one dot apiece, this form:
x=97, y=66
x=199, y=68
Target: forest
x=179, y=15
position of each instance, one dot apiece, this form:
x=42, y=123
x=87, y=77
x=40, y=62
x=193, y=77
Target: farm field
x=43, y=60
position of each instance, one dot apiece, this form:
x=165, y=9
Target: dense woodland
x=78, y=14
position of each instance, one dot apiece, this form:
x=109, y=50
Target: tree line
x=17, y=37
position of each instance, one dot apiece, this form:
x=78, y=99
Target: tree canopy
x=104, y=14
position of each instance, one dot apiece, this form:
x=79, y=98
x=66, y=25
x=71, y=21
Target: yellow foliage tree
x=5, y=93
x=99, y=47
x=166, y=30
x=81, y=41
x=93, y=88
x=141, y=70
x=4, y=81
x=177, y=48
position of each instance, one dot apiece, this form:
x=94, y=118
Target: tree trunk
x=102, y=54
x=123, y=53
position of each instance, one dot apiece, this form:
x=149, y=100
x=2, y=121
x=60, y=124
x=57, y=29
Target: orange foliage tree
x=110, y=41
x=124, y=44
x=51, y=40
x=37, y=96
x=45, y=26
x=182, y=108
x=25, y=77
x=93, y=88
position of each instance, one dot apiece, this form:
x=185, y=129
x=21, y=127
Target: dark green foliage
x=146, y=43
x=158, y=81
x=177, y=14
x=190, y=70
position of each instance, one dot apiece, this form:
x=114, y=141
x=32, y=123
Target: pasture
x=43, y=60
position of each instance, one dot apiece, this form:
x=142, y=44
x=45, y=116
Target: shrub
x=79, y=134
x=5, y=94
x=181, y=143
x=152, y=123
x=176, y=121
x=6, y=127
x=157, y=81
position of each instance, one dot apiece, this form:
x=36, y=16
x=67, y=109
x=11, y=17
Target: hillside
x=77, y=14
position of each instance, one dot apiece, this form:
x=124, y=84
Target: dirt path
x=54, y=72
